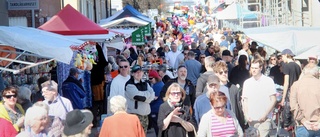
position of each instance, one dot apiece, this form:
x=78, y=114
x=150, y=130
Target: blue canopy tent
x=126, y=12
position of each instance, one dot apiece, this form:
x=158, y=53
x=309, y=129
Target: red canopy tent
x=71, y=22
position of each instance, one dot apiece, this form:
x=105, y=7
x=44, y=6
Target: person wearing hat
x=202, y=103
x=78, y=123
x=313, y=59
x=139, y=95
x=157, y=84
x=291, y=71
x=227, y=57
x=73, y=90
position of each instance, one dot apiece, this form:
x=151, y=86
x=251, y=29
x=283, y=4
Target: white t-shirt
x=258, y=94
x=117, y=86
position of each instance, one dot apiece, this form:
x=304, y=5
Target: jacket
x=75, y=94
x=139, y=94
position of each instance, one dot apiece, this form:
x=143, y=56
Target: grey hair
x=310, y=69
x=24, y=93
x=51, y=85
x=33, y=113
x=209, y=61
x=118, y=103
x=41, y=104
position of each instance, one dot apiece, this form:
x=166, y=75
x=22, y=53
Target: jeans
x=301, y=131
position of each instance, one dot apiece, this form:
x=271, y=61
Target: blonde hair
x=220, y=65
x=172, y=87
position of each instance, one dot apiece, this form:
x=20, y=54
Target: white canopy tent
x=41, y=43
x=127, y=21
x=303, y=41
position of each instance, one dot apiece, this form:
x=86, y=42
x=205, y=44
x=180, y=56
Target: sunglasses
x=150, y=78
x=154, y=55
x=273, y=59
x=175, y=93
x=123, y=66
x=219, y=108
x=225, y=72
x=202, y=57
x=10, y=96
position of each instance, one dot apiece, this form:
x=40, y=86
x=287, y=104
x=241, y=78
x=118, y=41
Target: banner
x=138, y=37
x=147, y=29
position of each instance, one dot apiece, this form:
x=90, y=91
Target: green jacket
x=4, y=113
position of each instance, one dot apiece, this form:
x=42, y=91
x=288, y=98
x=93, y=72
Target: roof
x=69, y=21
x=127, y=11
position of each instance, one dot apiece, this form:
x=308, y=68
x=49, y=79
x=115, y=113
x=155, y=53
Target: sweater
x=205, y=124
x=139, y=94
x=122, y=125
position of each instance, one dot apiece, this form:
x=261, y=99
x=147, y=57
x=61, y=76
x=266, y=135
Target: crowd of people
x=218, y=84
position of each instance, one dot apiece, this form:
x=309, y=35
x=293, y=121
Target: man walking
x=259, y=99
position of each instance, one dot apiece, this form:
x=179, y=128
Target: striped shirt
x=220, y=129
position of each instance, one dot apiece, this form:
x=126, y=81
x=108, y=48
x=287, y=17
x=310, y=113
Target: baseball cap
x=287, y=51
x=213, y=79
x=136, y=68
x=153, y=74
x=226, y=53
x=313, y=57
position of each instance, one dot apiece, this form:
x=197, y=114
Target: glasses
x=10, y=96
x=273, y=59
x=219, y=108
x=123, y=66
x=185, y=53
x=202, y=57
x=150, y=78
x=175, y=93
x=225, y=72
